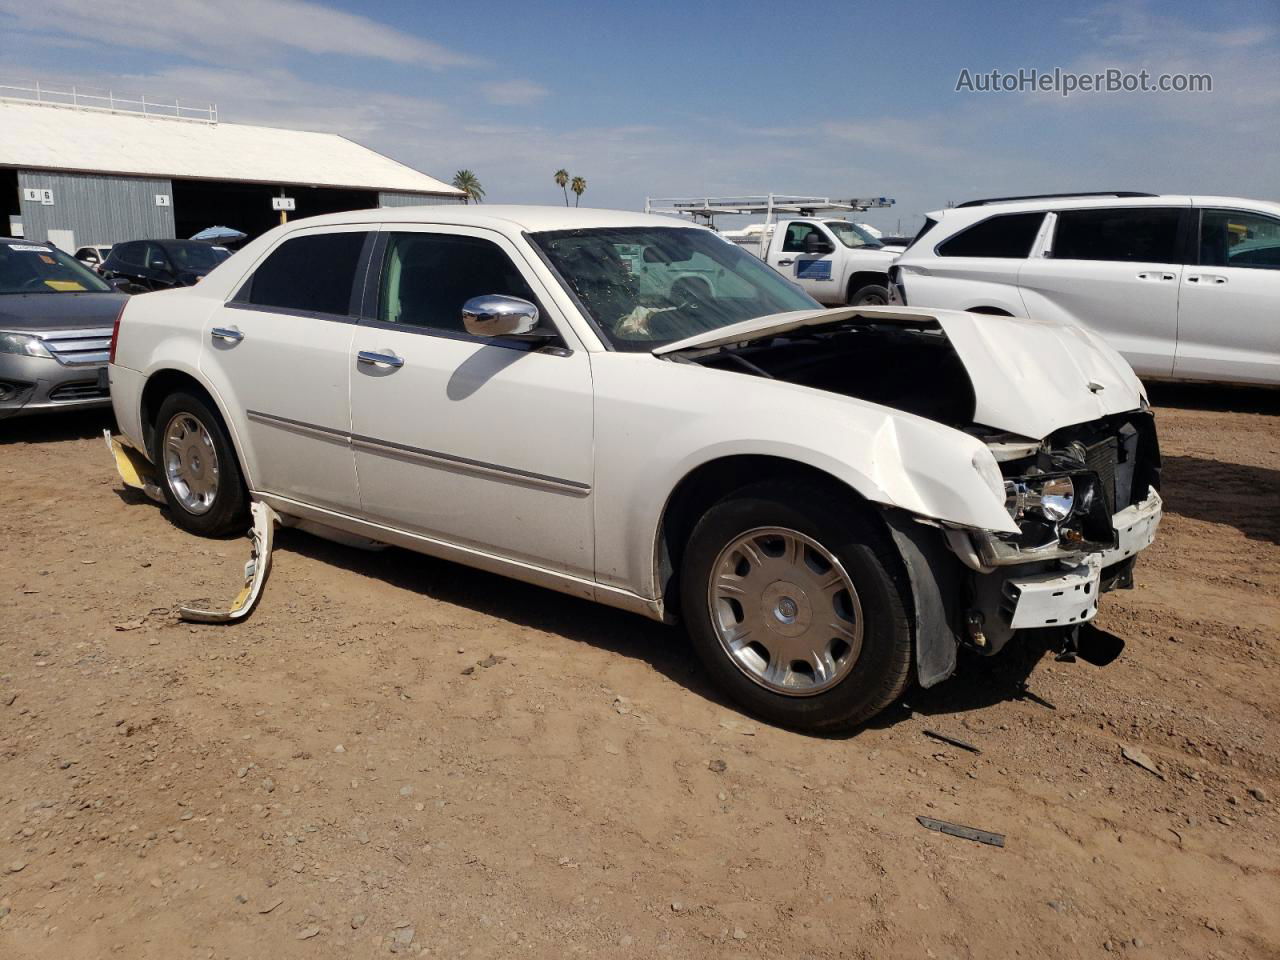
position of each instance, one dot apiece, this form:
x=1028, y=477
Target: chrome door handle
x=230, y=334
x=380, y=359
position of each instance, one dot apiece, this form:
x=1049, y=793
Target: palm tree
x=562, y=178
x=579, y=187
x=469, y=184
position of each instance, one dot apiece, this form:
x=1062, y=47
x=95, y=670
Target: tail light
x=115, y=333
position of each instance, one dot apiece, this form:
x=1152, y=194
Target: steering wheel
x=32, y=283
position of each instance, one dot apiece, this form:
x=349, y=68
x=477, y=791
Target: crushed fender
x=135, y=472
x=255, y=572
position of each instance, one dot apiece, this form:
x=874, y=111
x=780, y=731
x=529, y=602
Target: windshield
x=648, y=286
x=196, y=257
x=40, y=268
x=852, y=235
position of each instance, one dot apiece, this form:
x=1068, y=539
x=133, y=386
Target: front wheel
x=788, y=597
x=870, y=295
x=199, y=473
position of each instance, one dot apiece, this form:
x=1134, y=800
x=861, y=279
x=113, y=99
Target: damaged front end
x=1086, y=501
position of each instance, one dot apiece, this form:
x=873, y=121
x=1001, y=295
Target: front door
x=481, y=443
x=1229, y=312
x=280, y=352
x=808, y=256
x=1116, y=272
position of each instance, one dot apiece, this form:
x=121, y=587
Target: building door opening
x=198, y=204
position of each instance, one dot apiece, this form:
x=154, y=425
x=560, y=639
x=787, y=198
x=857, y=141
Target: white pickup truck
x=835, y=261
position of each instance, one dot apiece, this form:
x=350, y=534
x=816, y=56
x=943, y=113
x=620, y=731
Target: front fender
x=657, y=421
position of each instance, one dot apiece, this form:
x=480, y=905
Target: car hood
x=1030, y=377
x=41, y=312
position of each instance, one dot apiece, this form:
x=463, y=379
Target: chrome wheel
x=190, y=463
x=785, y=611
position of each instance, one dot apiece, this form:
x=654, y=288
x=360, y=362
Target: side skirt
x=468, y=556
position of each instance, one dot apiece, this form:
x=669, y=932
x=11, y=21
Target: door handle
x=1156, y=276
x=1206, y=278
x=785, y=263
x=229, y=334
x=380, y=359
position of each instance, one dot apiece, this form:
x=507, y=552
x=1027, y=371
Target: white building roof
x=95, y=141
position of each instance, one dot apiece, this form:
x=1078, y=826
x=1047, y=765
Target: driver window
x=796, y=233
x=427, y=277
x=1229, y=238
x=156, y=257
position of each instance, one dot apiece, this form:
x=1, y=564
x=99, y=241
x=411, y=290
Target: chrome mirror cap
x=499, y=316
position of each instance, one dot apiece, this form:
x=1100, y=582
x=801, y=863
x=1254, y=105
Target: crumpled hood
x=1030, y=377
x=44, y=312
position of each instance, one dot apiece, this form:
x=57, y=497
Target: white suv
x=1186, y=288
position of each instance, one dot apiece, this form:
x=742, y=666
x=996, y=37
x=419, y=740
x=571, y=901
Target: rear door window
x=311, y=274
x=1008, y=236
x=1136, y=234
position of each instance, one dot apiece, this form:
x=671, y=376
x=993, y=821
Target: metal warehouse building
x=100, y=170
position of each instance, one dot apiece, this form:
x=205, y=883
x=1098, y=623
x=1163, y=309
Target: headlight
x=1052, y=497
x=23, y=343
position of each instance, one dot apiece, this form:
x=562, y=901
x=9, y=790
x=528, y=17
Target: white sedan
x=832, y=501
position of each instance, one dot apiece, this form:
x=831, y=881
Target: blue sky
x=658, y=98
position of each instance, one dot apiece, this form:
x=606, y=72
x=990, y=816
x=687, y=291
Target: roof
x=96, y=141
x=1090, y=201
x=530, y=217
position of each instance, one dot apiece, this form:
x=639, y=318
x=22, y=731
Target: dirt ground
x=396, y=754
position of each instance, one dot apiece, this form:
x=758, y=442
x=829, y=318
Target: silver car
x=56, y=317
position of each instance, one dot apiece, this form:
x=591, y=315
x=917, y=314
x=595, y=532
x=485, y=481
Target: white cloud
x=514, y=93
x=231, y=30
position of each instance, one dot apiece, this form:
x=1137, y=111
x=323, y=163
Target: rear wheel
x=788, y=597
x=199, y=473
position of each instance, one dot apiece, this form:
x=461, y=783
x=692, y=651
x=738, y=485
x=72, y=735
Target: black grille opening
x=82, y=390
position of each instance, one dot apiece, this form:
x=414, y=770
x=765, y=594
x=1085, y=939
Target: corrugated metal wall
x=96, y=209
x=414, y=200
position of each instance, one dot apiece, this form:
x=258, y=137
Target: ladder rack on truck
x=706, y=209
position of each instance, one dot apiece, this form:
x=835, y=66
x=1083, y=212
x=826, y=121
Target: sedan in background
x=161, y=264
x=56, y=317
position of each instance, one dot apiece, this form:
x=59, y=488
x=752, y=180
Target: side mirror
x=498, y=316
x=816, y=244
x=117, y=283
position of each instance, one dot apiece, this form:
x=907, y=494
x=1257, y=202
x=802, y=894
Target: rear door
x=483, y=443
x=279, y=353
x=1114, y=270
x=1229, y=311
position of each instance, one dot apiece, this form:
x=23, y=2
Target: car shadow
x=664, y=649
x=1243, y=496
x=979, y=682
x=1215, y=396
x=56, y=427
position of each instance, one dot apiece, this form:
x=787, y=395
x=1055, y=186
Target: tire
x=227, y=507
x=872, y=674
x=868, y=295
